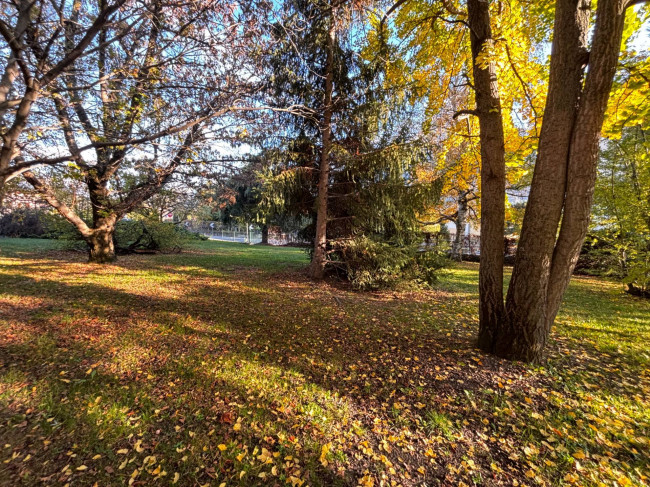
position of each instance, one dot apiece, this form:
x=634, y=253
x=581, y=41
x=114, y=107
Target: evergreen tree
x=349, y=146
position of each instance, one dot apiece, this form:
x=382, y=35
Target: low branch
x=62, y=208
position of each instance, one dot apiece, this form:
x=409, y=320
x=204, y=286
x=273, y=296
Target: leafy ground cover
x=225, y=365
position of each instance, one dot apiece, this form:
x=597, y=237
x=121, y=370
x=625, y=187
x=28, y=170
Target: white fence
x=251, y=234
x=229, y=233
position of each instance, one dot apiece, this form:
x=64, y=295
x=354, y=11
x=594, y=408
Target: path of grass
x=226, y=364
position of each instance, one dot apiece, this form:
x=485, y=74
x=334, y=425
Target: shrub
x=152, y=235
x=375, y=264
x=23, y=223
x=130, y=235
x=627, y=259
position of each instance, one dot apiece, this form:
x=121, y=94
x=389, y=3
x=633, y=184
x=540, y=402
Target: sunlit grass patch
x=225, y=363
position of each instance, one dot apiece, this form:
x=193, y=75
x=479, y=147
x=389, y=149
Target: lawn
x=225, y=365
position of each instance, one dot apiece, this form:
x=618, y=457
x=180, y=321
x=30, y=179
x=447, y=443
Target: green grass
x=225, y=363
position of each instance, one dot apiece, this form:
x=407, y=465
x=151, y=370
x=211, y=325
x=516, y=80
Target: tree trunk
x=101, y=249
x=461, y=216
x=524, y=336
x=583, y=158
x=493, y=180
x=317, y=268
x=565, y=173
x=265, y=235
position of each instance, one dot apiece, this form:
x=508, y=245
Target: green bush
x=132, y=235
x=376, y=264
x=23, y=223
x=607, y=254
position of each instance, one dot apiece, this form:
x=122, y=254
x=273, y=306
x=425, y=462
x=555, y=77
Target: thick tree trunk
x=493, y=180
x=583, y=158
x=460, y=221
x=319, y=259
x=524, y=336
x=265, y=235
x=564, y=177
x=101, y=249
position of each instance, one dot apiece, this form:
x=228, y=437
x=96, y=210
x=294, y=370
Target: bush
x=130, y=235
x=150, y=235
x=23, y=223
x=626, y=259
x=376, y=264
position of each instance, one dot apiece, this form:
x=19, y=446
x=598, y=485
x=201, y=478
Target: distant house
x=471, y=238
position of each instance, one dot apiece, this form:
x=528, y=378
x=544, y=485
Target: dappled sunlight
x=150, y=369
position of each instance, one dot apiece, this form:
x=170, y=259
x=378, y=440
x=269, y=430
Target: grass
x=225, y=364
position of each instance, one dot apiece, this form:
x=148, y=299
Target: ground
x=226, y=365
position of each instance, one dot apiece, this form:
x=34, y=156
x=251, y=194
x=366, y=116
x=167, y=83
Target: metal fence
x=251, y=234
x=229, y=233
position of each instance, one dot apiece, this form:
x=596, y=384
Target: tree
x=144, y=106
x=579, y=83
x=565, y=173
x=619, y=236
x=371, y=192
x=36, y=52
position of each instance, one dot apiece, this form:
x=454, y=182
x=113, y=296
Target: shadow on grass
x=177, y=352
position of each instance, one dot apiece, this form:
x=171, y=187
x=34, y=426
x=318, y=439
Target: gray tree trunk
x=101, y=249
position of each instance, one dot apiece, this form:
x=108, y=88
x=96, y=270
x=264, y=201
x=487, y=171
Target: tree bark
x=319, y=259
x=460, y=221
x=101, y=248
x=493, y=180
x=99, y=238
x=565, y=173
x=265, y=235
x=525, y=333
x=583, y=157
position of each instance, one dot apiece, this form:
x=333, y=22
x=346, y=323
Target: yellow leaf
x=123, y=451
x=81, y=468
x=176, y=477
x=222, y=447
x=530, y=474
x=579, y=455
x=323, y=454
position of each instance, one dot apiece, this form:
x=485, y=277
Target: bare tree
x=131, y=115
x=36, y=52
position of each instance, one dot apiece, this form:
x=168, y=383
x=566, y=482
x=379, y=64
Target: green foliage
x=35, y=223
x=375, y=194
x=151, y=235
x=23, y=223
x=619, y=244
x=375, y=263
x=130, y=235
